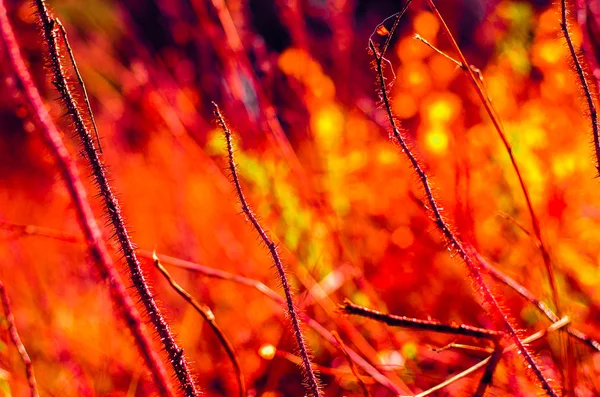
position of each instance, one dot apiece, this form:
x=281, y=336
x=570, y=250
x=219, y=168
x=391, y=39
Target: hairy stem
x=487, y=103
x=444, y=227
x=112, y=208
x=311, y=379
x=564, y=25
x=415, y=323
x=83, y=210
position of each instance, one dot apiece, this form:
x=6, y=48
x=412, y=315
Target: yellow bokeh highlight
x=327, y=124
x=437, y=139
x=267, y=351
x=563, y=166
x=414, y=77
x=441, y=108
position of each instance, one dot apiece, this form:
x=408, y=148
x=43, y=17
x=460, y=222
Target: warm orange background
x=337, y=195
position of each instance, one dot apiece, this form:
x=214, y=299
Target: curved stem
x=311, y=378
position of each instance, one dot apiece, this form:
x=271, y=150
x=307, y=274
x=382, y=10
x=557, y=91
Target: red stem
x=83, y=210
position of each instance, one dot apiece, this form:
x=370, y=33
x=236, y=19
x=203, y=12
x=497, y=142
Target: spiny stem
x=83, y=210
x=175, y=354
x=487, y=103
x=63, y=32
x=564, y=25
x=209, y=317
x=449, y=235
x=311, y=379
x=16, y=340
x=272, y=295
x=415, y=323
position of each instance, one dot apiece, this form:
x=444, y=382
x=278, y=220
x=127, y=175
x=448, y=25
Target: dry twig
x=16, y=340
x=209, y=317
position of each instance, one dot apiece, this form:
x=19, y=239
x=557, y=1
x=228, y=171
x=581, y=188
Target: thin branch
x=311, y=379
x=16, y=340
x=425, y=325
x=529, y=296
x=564, y=25
x=514, y=222
x=272, y=295
x=175, y=354
x=486, y=379
x=489, y=107
x=449, y=235
x=32, y=230
x=209, y=317
x=428, y=325
x=342, y=347
x=538, y=335
x=63, y=32
x=83, y=210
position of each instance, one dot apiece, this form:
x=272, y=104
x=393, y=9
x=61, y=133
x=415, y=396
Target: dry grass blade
x=16, y=340
x=311, y=378
x=83, y=210
x=538, y=335
x=209, y=317
x=541, y=306
x=362, y=385
x=269, y=293
x=452, y=240
x=112, y=207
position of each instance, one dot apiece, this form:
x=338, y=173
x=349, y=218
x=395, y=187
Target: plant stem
x=112, y=208
x=83, y=210
x=311, y=379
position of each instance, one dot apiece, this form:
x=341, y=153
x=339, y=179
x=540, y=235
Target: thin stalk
x=483, y=363
x=16, y=340
x=209, y=317
x=311, y=379
x=486, y=379
x=83, y=210
x=63, y=33
x=453, y=241
x=174, y=353
x=487, y=103
x=32, y=230
x=342, y=348
x=564, y=25
x=530, y=297
x=272, y=295
x=424, y=325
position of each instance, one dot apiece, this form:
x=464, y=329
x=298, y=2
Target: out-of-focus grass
x=152, y=69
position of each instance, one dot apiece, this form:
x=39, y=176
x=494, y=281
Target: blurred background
x=295, y=82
